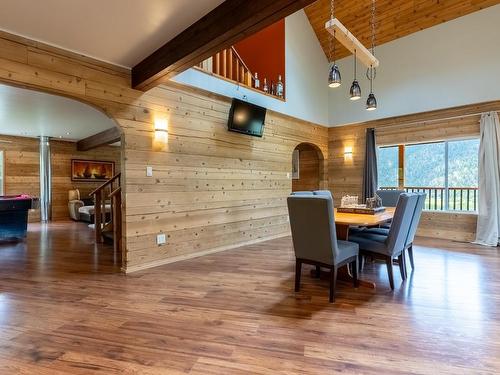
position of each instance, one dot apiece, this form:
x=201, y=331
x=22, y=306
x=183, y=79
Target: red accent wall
x=264, y=53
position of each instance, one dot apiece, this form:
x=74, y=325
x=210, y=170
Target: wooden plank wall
x=22, y=170
x=211, y=189
x=346, y=175
x=309, y=169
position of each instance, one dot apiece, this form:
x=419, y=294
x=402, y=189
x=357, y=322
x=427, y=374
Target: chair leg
x=361, y=262
x=318, y=272
x=298, y=271
x=355, y=268
x=401, y=263
x=388, y=262
x=410, y=253
x=333, y=280
x=404, y=264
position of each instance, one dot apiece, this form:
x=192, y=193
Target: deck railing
x=446, y=199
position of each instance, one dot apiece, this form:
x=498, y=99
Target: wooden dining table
x=345, y=220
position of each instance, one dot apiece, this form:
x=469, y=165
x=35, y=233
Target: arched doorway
x=308, y=172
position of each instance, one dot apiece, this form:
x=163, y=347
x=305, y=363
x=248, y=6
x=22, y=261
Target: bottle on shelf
x=265, y=87
x=279, y=87
x=257, y=81
x=273, y=88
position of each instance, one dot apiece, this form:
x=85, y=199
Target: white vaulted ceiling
x=122, y=32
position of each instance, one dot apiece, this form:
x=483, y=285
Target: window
x=447, y=171
x=388, y=165
x=1, y=174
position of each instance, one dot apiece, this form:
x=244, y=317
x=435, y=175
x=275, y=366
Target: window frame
x=401, y=169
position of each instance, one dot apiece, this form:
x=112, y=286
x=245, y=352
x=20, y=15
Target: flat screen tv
x=246, y=118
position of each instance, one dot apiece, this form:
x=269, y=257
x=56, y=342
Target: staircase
x=108, y=227
x=228, y=64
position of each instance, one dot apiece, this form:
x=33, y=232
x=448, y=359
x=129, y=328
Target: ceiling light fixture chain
x=334, y=78
x=371, y=72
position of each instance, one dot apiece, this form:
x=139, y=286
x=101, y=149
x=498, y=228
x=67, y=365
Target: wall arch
x=312, y=168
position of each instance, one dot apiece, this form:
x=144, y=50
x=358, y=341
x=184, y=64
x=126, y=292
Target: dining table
x=343, y=221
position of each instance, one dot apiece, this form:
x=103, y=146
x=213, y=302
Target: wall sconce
x=161, y=130
x=348, y=152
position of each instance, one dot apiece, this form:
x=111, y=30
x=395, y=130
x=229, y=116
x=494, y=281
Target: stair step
x=108, y=237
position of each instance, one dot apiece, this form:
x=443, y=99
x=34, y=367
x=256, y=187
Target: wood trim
x=227, y=24
x=103, y=138
x=162, y=262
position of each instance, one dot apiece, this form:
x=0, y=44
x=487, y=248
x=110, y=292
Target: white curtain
x=488, y=221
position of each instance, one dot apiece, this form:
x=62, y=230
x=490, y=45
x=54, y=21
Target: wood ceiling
x=395, y=18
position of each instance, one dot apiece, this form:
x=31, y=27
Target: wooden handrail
x=110, y=181
x=109, y=194
x=117, y=191
x=242, y=62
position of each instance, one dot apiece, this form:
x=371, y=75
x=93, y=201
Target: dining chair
x=302, y=193
x=389, y=197
x=412, y=232
x=392, y=245
x=315, y=240
x=326, y=193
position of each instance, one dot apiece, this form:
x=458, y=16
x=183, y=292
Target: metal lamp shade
x=334, y=79
x=355, y=90
x=371, y=102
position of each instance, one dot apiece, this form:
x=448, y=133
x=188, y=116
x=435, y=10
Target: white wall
x=452, y=64
x=306, y=75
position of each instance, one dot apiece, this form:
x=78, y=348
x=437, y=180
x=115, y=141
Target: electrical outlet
x=149, y=171
x=161, y=239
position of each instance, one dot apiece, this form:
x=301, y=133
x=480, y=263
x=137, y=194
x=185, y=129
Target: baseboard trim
x=179, y=258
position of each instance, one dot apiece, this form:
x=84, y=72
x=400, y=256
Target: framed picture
x=295, y=164
x=92, y=170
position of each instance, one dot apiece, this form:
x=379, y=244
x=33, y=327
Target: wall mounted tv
x=246, y=118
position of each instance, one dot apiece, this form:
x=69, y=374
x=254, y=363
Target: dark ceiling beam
x=224, y=26
x=106, y=137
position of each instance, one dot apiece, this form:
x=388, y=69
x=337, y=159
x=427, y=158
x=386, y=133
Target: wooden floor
x=66, y=309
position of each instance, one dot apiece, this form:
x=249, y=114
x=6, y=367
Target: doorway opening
x=307, y=168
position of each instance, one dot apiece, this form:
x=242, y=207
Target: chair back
x=302, y=193
x=313, y=228
x=74, y=195
x=400, y=227
x=416, y=218
x=326, y=193
x=389, y=197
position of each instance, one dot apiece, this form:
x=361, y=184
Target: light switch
x=161, y=239
x=149, y=171
x=288, y=175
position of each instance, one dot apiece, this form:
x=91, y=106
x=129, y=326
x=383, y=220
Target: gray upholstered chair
x=389, y=197
x=326, y=193
x=302, y=193
x=413, y=229
x=315, y=239
x=387, y=247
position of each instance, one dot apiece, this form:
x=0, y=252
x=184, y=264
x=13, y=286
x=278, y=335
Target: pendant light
x=334, y=78
x=371, y=73
x=355, y=90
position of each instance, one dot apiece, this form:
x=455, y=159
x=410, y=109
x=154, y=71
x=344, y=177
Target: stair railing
x=109, y=194
x=229, y=64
